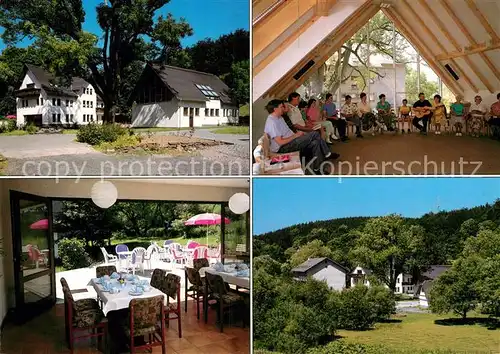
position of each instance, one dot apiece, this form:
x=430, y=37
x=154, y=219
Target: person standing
x=422, y=113
x=457, y=115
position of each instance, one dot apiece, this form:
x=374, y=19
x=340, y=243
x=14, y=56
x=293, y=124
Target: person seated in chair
x=457, y=115
x=330, y=114
x=404, y=115
x=477, y=116
x=422, y=113
x=295, y=115
x=439, y=113
x=314, y=118
x=368, y=119
x=384, y=112
x=350, y=113
x=494, y=120
x=284, y=140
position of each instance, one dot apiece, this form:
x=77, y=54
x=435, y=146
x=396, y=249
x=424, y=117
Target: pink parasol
x=206, y=219
x=40, y=225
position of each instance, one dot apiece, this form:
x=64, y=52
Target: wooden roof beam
x=465, y=31
x=484, y=21
x=473, y=49
x=450, y=38
x=277, y=22
x=424, y=51
x=433, y=37
x=328, y=46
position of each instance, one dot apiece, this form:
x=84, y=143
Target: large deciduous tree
x=389, y=246
x=130, y=33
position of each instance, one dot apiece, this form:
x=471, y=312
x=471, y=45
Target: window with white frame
x=58, y=117
x=212, y=111
x=59, y=102
x=197, y=112
x=54, y=117
x=53, y=101
x=67, y=118
x=207, y=112
x=216, y=112
x=71, y=103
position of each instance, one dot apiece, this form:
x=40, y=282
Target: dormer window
x=30, y=86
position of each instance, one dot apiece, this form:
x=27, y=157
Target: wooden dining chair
x=104, y=270
x=157, y=278
x=144, y=314
x=172, y=288
x=84, y=316
x=226, y=300
x=196, y=291
x=83, y=304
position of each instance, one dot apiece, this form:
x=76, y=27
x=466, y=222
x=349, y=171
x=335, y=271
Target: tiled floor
x=45, y=335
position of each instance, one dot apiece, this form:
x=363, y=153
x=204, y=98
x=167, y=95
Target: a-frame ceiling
x=461, y=34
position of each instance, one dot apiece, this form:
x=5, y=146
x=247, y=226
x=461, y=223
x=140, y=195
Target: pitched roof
x=461, y=34
x=182, y=83
x=313, y=262
x=45, y=79
x=435, y=271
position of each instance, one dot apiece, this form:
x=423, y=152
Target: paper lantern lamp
x=239, y=203
x=104, y=194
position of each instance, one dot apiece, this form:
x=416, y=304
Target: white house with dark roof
x=41, y=102
x=423, y=287
x=324, y=269
x=359, y=276
x=168, y=96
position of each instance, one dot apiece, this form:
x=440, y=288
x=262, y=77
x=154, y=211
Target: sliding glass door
x=33, y=254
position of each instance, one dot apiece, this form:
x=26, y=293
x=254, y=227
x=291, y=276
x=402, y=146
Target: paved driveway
x=60, y=155
x=41, y=145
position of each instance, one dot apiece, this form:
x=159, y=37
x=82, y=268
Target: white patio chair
x=151, y=255
x=108, y=258
x=137, y=259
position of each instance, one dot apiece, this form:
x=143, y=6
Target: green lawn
x=232, y=130
x=419, y=331
x=14, y=133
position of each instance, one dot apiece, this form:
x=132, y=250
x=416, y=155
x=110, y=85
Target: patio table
x=230, y=278
x=121, y=300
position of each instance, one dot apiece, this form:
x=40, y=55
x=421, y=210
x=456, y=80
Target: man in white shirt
x=350, y=113
x=293, y=112
x=284, y=140
x=477, y=115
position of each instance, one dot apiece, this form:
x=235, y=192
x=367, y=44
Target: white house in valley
x=324, y=269
x=359, y=276
x=168, y=96
x=404, y=284
x=41, y=102
x=423, y=288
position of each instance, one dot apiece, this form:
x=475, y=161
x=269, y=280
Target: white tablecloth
x=231, y=278
x=121, y=300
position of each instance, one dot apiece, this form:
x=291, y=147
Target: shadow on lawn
x=391, y=320
x=490, y=323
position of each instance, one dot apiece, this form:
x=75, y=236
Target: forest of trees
x=466, y=239
x=131, y=35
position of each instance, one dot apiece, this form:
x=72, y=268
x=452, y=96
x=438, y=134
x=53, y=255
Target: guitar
x=420, y=112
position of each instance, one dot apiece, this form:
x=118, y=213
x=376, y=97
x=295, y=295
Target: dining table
x=120, y=300
x=228, y=277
